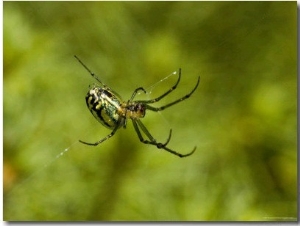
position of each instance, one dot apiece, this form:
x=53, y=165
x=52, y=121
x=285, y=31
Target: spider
x=112, y=112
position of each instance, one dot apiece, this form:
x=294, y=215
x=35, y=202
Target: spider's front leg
x=135, y=92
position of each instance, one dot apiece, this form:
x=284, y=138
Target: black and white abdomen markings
x=104, y=106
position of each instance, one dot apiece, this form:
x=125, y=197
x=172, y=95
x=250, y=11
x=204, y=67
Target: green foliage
x=242, y=117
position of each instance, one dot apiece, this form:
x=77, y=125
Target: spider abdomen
x=104, y=105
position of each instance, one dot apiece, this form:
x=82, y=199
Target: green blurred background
x=242, y=117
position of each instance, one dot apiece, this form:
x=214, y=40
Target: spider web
x=38, y=171
x=152, y=87
x=22, y=184
x=43, y=185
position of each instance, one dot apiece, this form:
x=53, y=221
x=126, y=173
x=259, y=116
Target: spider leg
x=174, y=102
x=135, y=92
x=163, y=95
x=91, y=73
x=179, y=154
x=160, y=145
x=137, y=123
x=151, y=140
x=105, y=138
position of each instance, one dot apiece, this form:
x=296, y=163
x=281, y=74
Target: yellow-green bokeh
x=242, y=117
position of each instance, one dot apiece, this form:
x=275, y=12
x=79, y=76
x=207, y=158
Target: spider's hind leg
x=137, y=123
x=120, y=122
